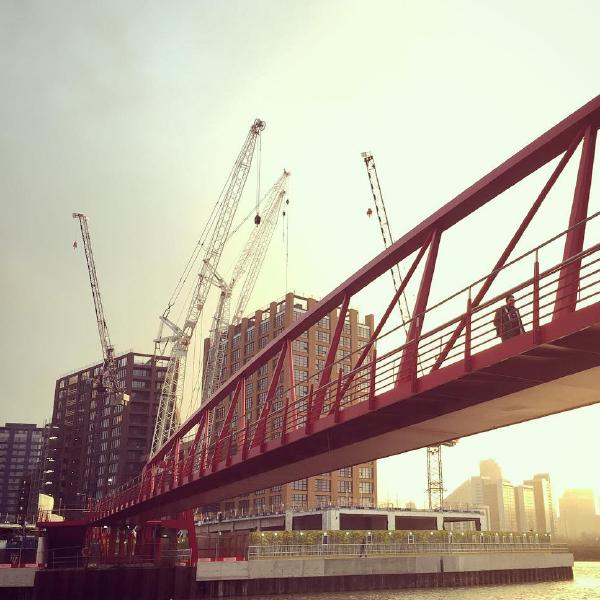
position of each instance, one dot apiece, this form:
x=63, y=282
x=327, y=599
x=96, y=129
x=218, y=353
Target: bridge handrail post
x=372, y=374
x=468, y=320
x=535, y=326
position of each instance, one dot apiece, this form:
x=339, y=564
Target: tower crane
x=107, y=381
x=435, y=482
x=215, y=237
x=247, y=267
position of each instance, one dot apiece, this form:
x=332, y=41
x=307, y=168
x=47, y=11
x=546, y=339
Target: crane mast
x=247, y=266
x=108, y=376
x=435, y=482
x=167, y=419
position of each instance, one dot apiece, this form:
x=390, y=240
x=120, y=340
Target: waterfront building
x=525, y=508
x=499, y=495
x=20, y=451
x=349, y=486
x=545, y=514
x=95, y=446
x=490, y=469
x=577, y=514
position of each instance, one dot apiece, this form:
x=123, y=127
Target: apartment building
x=95, y=446
x=20, y=451
x=350, y=486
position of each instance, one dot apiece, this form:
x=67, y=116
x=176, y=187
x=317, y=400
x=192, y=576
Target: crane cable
x=259, y=156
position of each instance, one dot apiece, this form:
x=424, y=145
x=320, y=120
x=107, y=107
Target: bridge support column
x=391, y=521
x=289, y=520
x=331, y=520
x=440, y=522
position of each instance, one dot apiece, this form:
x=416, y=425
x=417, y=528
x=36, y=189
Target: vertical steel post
x=568, y=282
x=535, y=325
x=468, y=324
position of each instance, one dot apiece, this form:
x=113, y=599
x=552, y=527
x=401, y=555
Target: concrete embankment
x=221, y=579
x=276, y=576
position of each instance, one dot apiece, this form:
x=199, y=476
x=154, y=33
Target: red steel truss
x=459, y=366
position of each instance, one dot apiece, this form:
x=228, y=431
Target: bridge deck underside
x=516, y=381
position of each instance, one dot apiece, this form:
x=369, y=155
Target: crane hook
x=257, y=220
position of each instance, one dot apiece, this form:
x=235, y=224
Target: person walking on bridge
x=507, y=320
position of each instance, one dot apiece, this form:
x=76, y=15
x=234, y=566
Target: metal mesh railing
x=394, y=549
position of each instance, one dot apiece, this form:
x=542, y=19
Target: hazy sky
x=133, y=112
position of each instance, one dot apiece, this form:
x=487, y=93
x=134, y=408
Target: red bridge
x=444, y=375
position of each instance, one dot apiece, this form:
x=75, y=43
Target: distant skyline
x=134, y=117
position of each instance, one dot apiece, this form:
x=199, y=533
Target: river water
x=585, y=586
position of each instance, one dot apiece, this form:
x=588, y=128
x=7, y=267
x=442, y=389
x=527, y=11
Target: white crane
x=215, y=237
x=107, y=382
x=435, y=483
x=247, y=266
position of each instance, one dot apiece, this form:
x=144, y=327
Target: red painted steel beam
x=319, y=399
x=566, y=295
x=512, y=244
x=408, y=363
x=542, y=150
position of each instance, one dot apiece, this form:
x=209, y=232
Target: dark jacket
x=507, y=322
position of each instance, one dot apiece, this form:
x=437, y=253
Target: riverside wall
x=277, y=576
x=246, y=578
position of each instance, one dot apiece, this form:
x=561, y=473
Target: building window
x=279, y=319
x=300, y=484
x=365, y=472
x=249, y=334
x=300, y=375
x=298, y=314
x=300, y=361
x=322, y=336
x=345, y=341
x=300, y=346
x=365, y=487
x=301, y=391
x=324, y=323
x=344, y=487
x=263, y=342
x=275, y=501
x=250, y=348
x=321, y=501
x=323, y=485
x=364, y=332
x=299, y=501
x=264, y=326
x=345, y=472
x=276, y=488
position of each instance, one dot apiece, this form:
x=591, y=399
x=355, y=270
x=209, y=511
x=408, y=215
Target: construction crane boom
x=435, y=482
x=247, y=268
x=167, y=419
x=386, y=233
x=108, y=376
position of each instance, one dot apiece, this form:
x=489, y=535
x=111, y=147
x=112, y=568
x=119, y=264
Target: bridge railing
x=540, y=285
